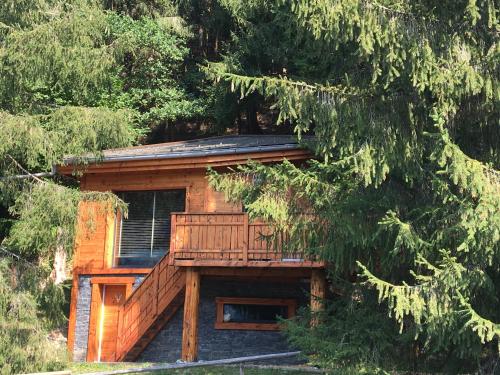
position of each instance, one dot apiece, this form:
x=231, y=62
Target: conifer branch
x=28, y=173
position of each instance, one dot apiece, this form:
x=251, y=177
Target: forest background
x=402, y=96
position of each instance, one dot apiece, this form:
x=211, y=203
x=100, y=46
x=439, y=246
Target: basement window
x=253, y=313
x=143, y=238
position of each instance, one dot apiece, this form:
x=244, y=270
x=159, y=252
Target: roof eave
x=160, y=162
x=189, y=154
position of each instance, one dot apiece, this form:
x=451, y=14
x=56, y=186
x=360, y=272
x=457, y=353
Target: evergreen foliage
x=152, y=78
x=405, y=186
x=54, y=57
x=23, y=343
x=47, y=54
x=402, y=198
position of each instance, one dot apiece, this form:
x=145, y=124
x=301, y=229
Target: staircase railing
x=147, y=302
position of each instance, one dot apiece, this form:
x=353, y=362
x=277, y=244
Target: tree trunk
x=58, y=274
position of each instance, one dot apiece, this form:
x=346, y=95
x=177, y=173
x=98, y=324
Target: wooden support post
x=94, y=323
x=318, y=292
x=173, y=233
x=191, y=308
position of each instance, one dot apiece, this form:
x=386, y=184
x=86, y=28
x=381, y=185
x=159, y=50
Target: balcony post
x=173, y=239
x=245, y=237
x=318, y=293
x=191, y=310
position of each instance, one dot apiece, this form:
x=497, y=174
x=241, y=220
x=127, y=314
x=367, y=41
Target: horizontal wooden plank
x=235, y=263
x=192, y=225
x=112, y=280
x=257, y=273
x=112, y=271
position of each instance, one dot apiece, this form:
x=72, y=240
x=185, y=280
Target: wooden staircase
x=149, y=308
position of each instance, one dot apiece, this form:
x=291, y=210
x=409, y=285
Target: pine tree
x=404, y=186
x=54, y=57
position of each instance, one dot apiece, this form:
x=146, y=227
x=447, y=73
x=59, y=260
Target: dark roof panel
x=224, y=145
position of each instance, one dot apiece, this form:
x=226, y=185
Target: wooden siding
x=95, y=231
x=224, y=238
x=91, y=239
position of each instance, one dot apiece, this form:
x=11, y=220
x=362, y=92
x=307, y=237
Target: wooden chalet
x=187, y=275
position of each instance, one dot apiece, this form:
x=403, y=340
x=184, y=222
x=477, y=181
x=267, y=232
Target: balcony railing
x=227, y=239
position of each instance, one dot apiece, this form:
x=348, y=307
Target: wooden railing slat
x=149, y=300
x=245, y=238
x=225, y=237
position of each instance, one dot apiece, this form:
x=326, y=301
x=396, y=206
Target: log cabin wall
x=200, y=198
x=93, y=260
x=94, y=243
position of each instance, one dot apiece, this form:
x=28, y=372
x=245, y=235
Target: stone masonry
x=213, y=343
x=218, y=344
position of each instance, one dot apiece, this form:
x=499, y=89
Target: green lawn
x=81, y=368
x=84, y=367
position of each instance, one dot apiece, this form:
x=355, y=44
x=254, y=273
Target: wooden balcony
x=227, y=240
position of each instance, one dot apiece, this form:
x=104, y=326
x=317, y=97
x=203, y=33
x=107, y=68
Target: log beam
x=191, y=309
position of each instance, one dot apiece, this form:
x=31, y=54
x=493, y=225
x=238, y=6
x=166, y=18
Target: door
x=112, y=297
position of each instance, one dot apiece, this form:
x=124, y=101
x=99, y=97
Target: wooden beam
x=116, y=280
x=250, y=263
x=318, y=293
x=188, y=162
x=111, y=271
x=110, y=239
x=257, y=273
x=191, y=310
x=94, y=320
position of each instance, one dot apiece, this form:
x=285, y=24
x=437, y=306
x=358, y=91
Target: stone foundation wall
x=82, y=319
x=218, y=344
x=213, y=343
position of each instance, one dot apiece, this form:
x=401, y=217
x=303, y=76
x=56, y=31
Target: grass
x=82, y=368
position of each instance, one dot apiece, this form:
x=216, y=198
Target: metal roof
x=223, y=145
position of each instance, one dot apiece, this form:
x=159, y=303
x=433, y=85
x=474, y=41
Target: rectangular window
x=253, y=313
x=144, y=237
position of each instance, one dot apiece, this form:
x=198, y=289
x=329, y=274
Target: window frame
x=290, y=303
x=117, y=222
